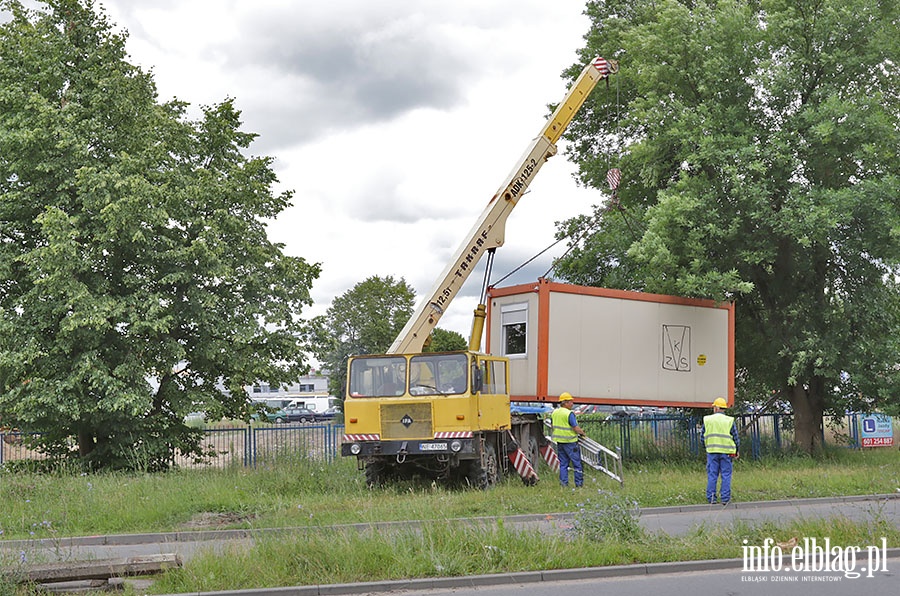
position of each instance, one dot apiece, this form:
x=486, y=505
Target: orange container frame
x=597, y=369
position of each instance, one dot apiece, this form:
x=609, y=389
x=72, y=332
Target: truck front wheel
x=375, y=474
x=484, y=473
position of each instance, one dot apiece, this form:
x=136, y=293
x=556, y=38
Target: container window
x=514, y=321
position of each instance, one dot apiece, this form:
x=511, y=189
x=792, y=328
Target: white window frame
x=513, y=314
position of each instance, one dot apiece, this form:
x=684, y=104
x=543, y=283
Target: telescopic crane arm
x=488, y=232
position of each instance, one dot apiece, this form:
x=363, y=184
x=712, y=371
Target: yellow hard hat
x=720, y=403
x=565, y=396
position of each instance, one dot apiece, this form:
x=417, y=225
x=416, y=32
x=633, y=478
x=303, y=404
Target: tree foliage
x=366, y=320
x=362, y=320
x=443, y=340
x=137, y=282
x=758, y=143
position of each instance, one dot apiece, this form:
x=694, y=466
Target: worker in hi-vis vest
x=719, y=434
x=565, y=433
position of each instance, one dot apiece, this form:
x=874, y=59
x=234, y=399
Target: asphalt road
x=670, y=520
x=715, y=582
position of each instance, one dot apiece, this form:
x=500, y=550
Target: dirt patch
x=210, y=519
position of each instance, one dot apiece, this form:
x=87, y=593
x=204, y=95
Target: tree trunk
x=85, y=442
x=809, y=410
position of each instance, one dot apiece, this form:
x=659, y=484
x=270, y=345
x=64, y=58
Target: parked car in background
x=284, y=415
x=591, y=409
x=296, y=415
x=624, y=412
x=329, y=414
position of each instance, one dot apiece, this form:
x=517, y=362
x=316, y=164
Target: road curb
x=474, y=581
x=767, y=504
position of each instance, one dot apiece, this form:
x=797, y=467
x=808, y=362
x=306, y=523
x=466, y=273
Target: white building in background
x=311, y=392
x=308, y=385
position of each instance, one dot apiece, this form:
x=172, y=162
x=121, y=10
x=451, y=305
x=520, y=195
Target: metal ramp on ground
x=601, y=458
x=592, y=453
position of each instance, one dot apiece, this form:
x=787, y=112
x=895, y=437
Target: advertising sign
x=876, y=430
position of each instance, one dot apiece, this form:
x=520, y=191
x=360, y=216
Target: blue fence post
x=776, y=420
x=625, y=431
x=693, y=437
x=329, y=443
x=337, y=433
x=755, y=439
x=853, y=424
x=338, y=440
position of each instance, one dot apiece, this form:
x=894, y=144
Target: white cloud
x=394, y=122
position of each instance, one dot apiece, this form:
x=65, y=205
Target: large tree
x=362, y=320
x=758, y=143
x=443, y=340
x=137, y=282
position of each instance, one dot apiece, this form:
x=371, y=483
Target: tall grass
x=447, y=549
x=302, y=492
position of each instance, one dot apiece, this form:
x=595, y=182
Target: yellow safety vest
x=717, y=433
x=562, y=432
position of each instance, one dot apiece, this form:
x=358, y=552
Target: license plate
x=433, y=446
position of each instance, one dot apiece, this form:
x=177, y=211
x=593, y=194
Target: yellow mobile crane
x=448, y=414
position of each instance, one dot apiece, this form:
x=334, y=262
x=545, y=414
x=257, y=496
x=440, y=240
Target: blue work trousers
x=570, y=453
x=718, y=464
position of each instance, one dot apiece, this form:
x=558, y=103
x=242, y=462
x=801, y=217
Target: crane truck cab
x=444, y=414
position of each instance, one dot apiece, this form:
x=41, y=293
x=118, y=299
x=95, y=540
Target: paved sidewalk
x=679, y=520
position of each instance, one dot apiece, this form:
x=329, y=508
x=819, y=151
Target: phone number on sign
x=878, y=442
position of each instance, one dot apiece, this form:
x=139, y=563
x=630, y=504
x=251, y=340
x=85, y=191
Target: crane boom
x=488, y=231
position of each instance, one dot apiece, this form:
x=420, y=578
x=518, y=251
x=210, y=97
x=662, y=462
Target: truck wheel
x=485, y=473
x=533, y=453
x=491, y=465
x=375, y=474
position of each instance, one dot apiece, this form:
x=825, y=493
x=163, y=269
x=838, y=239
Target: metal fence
x=252, y=445
x=678, y=437
x=653, y=438
x=241, y=445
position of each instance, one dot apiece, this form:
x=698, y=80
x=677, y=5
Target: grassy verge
x=304, y=493
x=447, y=549
x=308, y=494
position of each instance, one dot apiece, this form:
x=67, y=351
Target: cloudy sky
x=394, y=121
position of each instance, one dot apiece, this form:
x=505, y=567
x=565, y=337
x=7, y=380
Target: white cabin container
x=612, y=346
